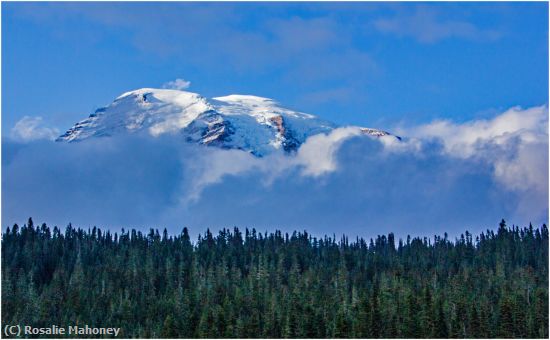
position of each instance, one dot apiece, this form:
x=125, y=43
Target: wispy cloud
x=426, y=26
x=178, y=84
x=184, y=30
x=33, y=128
x=330, y=96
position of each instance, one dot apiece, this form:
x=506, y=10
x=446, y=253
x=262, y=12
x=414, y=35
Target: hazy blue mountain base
x=248, y=284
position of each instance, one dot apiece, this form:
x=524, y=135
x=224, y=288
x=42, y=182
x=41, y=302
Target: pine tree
x=541, y=312
x=363, y=323
x=520, y=317
x=506, y=321
x=475, y=327
x=484, y=326
x=413, y=319
x=441, y=329
x=376, y=317
x=427, y=314
x=169, y=329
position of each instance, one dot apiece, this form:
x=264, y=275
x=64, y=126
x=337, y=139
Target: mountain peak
x=161, y=92
x=254, y=124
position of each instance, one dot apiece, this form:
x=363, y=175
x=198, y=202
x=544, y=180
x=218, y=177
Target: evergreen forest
x=248, y=284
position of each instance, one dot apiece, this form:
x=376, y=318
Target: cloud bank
x=514, y=144
x=443, y=177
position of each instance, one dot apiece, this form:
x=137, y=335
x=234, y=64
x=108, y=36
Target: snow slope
x=254, y=124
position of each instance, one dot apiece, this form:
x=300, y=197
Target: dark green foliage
x=441, y=328
x=506, y=321
x=271, y=286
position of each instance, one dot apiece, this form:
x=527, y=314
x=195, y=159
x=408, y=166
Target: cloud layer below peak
x=443, y=177
x=514, y=144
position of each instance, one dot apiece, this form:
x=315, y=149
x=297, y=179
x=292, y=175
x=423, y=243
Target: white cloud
x=178, y=84
x=317, y=155
x=425, y=26
x=514, y=144
x=315, y=158
x=465, y=140
x=32, y=128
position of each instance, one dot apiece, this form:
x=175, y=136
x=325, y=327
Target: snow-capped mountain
x=253, y=124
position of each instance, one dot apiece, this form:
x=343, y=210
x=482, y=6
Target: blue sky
x=374, y=64
x=465, y=84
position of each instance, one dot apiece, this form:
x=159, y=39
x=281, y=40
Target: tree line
x=253, y=285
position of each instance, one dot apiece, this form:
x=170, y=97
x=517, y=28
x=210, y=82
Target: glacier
x=253, y=124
